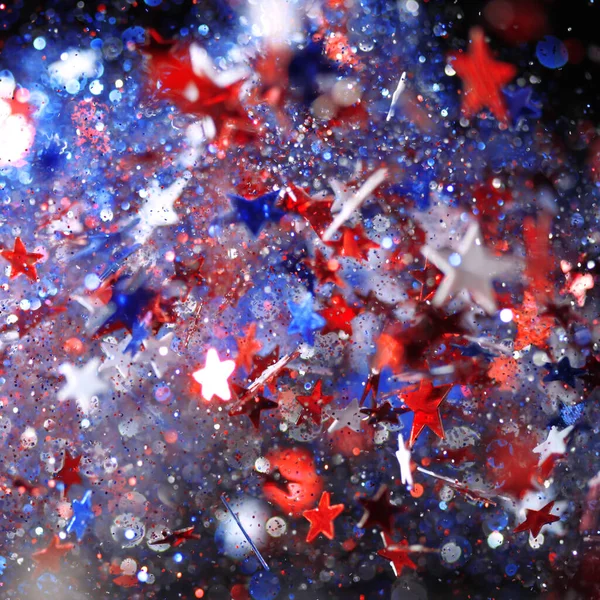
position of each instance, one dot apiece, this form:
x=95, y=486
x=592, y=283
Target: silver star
x=403, y=456
x=350, y=417
x=471, y=268
x=158, y=353
x=83, y=384
x=554, y=444
x=157, y=210
x=116, y=356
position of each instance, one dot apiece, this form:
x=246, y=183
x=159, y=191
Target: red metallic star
x=247, y=347
x=48, y=559
x=262, y=363
x=251, y=406
x=21, y=261
x=69, y=473
x=483, y=78
x=379, y=511
x=338, y=316
x=314, y=404
x=325, y=270
x=397, y=554
x=425, y=403
x=321, y=518
x=316, y=212
x=178, y=537
x=536, y=519
x=353, y=243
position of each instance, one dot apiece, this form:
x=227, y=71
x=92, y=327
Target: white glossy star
x=471, y=268
x=82, y=384
x=213, y=377
x=349, y=416
x=554, y=444
x=158, y=353
x=157, y=210
x=403, y=456
x=116, y=357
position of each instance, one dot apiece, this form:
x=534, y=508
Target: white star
x=157, y=210
x=403, y=456
x=116, y=357
x=82, y=384
x=158, y=353
x=347, y=202
x=554, y=444
x=213, y=378
x=349, y=416
x=471, y=268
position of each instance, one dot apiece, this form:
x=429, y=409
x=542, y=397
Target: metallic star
x=554, y=444
x=83, y=384
x=350, y=417
x=117, y=357
x=213, y=377
x=158, y=353
x=471, y=268
x=403, y=455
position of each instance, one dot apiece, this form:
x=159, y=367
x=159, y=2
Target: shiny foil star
x=21, y=261
x=321, y=518
x=536, y=519
x=425, y=403
x=213, y=377
x=483, y=78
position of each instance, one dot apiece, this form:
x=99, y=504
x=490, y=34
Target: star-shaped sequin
x=305, y=320
x=69, y=472
x=563, y=371
x=425, y=404
x=313, y=404
x=82, y=515
x=21, y=261
x=213, y=377
x=353, y=243
x=177, y=537
x=83, y=384
x=256, y=213
x=379, y=511
x=321, y=518
x=536, y=519
x=48, y=559
x=483, y=78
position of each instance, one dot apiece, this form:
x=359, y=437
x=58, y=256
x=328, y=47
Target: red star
x=483, y=78
x=316, y=212
x=247, y=348
x=338, y=316
x=397, y=554
x=353, y=243
x=29, y=319
x=321, y=518
x=536, y=519
x=252, y=406
x=190, y=273
x=378, y=510
x=21, y=261
x=262, y=363
x=177, y=538
x=314, y=403
x=425, y=403
x=48, y=559
x=325, y=270
x=69, y=474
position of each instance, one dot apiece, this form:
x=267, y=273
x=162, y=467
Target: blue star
x=139, y=332
x=82, y=515
x=562, y=371
x=255, y=213
x=100, y=243
x=304, y=320
x=520, y=104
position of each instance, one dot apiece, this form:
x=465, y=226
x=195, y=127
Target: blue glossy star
x=82, y=515
x=520, y=105
x=304, y=320
x=139, y=333
x=255, y=213
x=100, y=243
x=563, y=371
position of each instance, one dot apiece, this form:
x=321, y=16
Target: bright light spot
x=451, y=552
x=142, y=576
x=39, y=531
x=39, y=43
x=455, y=259
x=119, y=84
x=412, y=6
x=74, y=65
x=16, y=136
x=178, y=557
x=96, y=87
x=495, y=539
x=213, y=377
x=85, y=423
x=506, y=315
x=130, y=534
